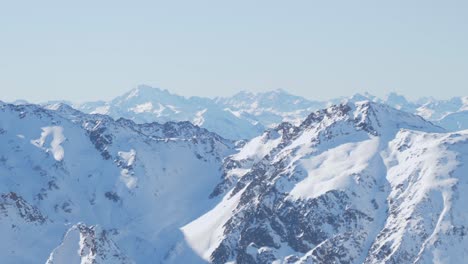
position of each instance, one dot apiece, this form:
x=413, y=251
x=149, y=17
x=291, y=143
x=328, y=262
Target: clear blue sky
x=86, y=50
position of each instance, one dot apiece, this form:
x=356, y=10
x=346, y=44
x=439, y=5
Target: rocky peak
x=374, y=118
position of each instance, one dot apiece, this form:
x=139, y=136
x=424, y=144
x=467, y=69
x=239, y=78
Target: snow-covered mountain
x=77, y=188
x=354, y=183
x=242, y=116
x=269, y=108
x=245, y=115
x=451, y=114
x=145, y=104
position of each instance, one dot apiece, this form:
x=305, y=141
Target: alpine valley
x=154, y=177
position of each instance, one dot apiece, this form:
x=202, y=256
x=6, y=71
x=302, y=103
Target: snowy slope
x=426, y=219
x=454, y=121
x=357, y=182
x=107, y=191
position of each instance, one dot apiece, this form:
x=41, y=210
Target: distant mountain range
x=245, y=114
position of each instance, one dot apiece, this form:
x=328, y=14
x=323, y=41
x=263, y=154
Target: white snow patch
x=133, y=93
x=173, y=109
x=128, y=179
x=159, y=110
x=425, y=112
x=128, y=157
x=102, y=110
x=125, y=175
x=142, y=108
x=237, y=114
x=199, y=120
x=331, y=169
x=257, y=148
x=53, y=107
x=57, y=139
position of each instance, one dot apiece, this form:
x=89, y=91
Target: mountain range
x=152, y=177
x=246, y=114
x=68, y=177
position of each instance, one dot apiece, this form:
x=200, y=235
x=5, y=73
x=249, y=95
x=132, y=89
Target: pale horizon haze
x=96, y=50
